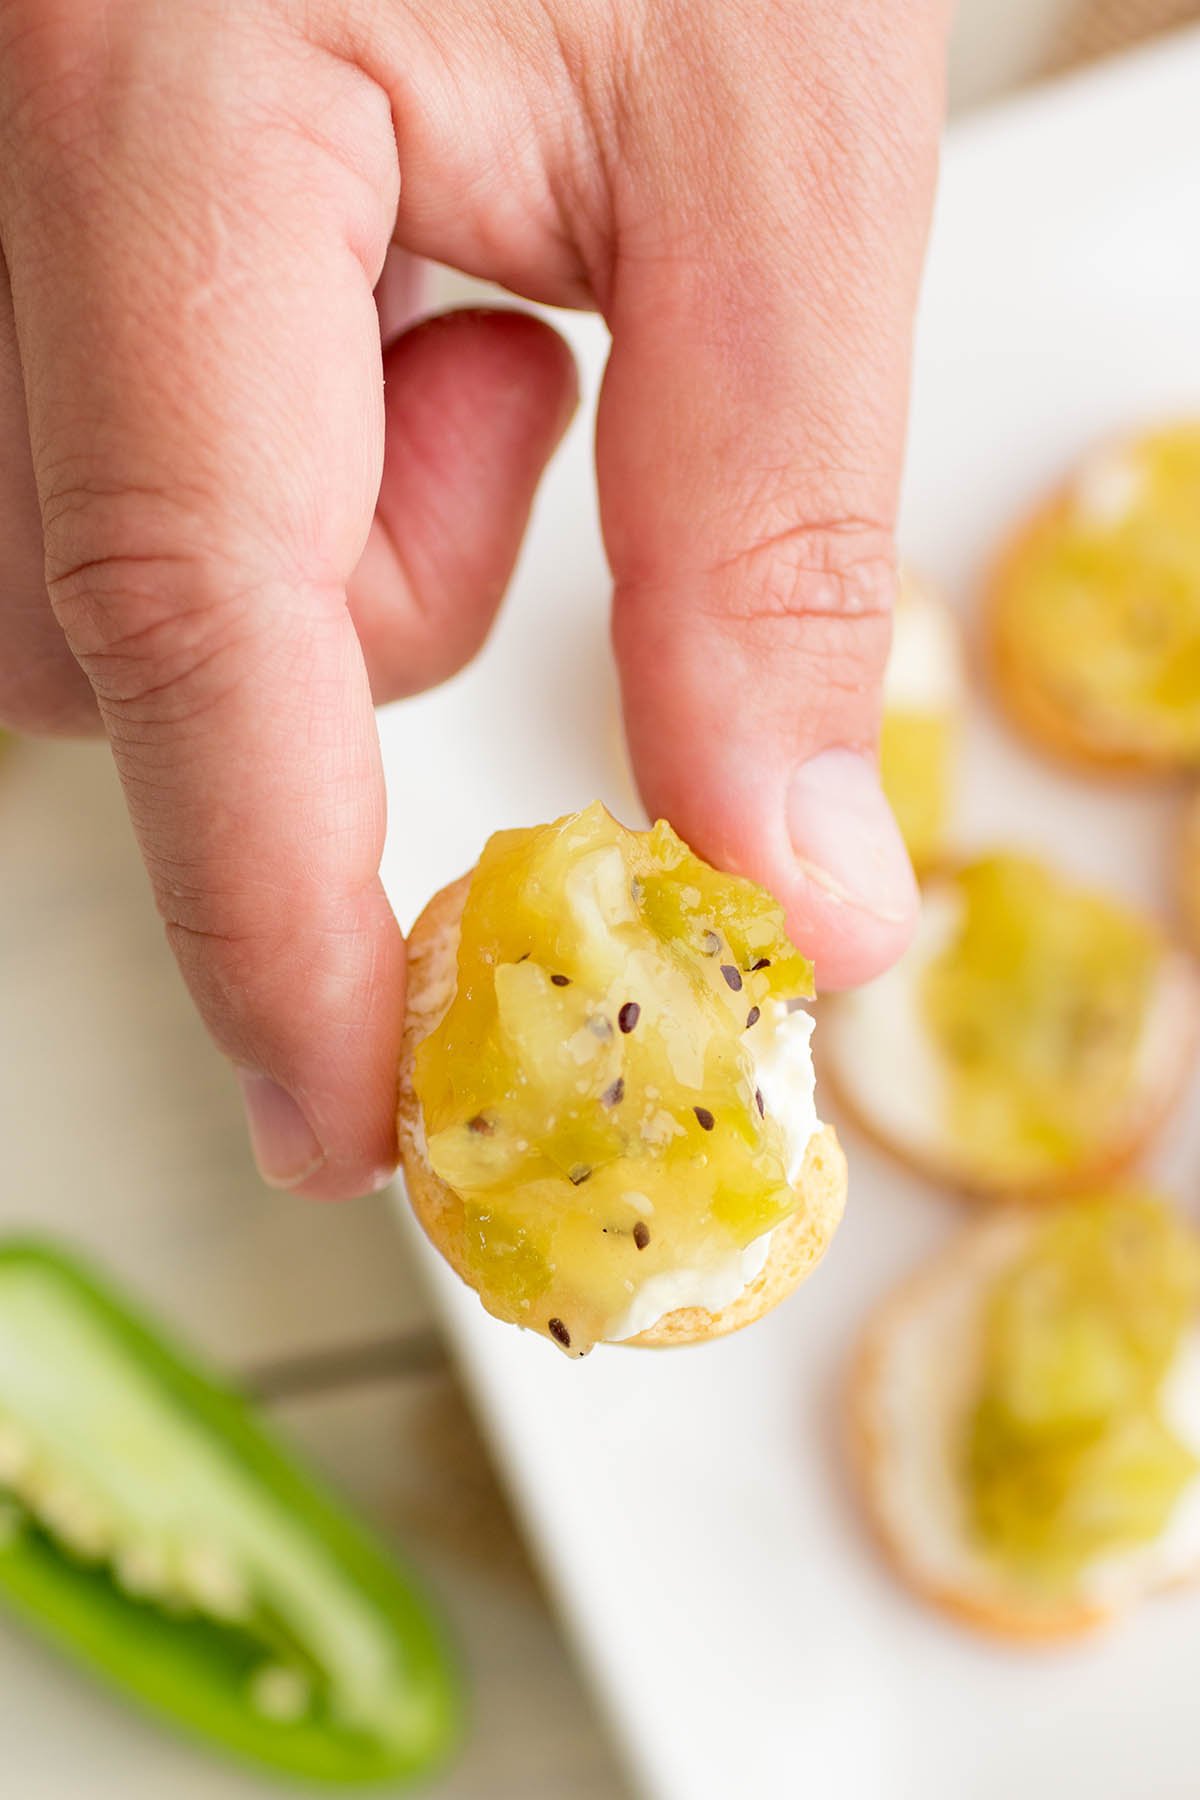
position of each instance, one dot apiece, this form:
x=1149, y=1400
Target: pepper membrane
x=152, y=1529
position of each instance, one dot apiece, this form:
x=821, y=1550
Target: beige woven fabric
x=1098, y=27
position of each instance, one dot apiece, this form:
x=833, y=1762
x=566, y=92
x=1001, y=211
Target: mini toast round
x=906, y=1400
x=797, y=1245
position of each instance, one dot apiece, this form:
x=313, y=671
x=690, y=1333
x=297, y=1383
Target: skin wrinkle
x=180, y=612
x=186, y=693
x=239, y=966
x=796, y=585
x=73, y=482
x=580, y=209
x=502, y=209
x=135, y=728
x=375, y=176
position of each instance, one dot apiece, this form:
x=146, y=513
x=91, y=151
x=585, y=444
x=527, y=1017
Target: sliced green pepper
x=151, y=1528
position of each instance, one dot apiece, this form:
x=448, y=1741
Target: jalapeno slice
x=154, y=1530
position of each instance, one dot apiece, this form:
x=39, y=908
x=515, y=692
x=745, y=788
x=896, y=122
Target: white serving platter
x=691, y=1509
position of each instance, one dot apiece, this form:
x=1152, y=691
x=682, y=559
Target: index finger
x=201, y=351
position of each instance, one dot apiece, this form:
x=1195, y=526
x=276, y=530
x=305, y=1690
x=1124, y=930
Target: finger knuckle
x=813, y=597
x=161, y=636
x=842, y=568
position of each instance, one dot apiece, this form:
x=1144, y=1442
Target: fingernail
x=845, y=838
x=284, y=1144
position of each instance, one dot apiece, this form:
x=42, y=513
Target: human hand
x=219, y=540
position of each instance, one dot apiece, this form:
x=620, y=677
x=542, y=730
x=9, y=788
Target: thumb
x=749, y=449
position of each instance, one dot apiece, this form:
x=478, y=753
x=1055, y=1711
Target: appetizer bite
x=1026, y=1416
x=922, y=705
x=1096, y=608
x=1032, y=1037
x=607, y=1123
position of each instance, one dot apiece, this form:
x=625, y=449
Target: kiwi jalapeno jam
x=1071, y=1454
x=590, y=1093
x=1037, y=1005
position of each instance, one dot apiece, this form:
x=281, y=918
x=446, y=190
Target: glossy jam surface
x=1037, y=1007
x=590, y=1093
x=1069, y=1456
x=1116, y=568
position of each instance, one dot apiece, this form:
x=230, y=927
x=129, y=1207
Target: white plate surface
x=691, y=1509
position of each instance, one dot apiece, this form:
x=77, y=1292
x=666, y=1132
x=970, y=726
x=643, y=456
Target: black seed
x=758, y=1101
x=752, y=1017
x=481, y=1126
x=579, y=1174
x=764, y=962
x=704, y=1118
x=613, y=1096
x=641, y=1234
x=629, y=1015
x=710, y=943
x=559, y=1333
x=732, y=976
x=561, y=980
x=524, y=956
x=599, y=1026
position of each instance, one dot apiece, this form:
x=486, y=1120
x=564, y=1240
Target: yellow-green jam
x=590, y=1093
x=916, y=753
x=1036, y=1008
x=1069, y=1457
x=1100, y=606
